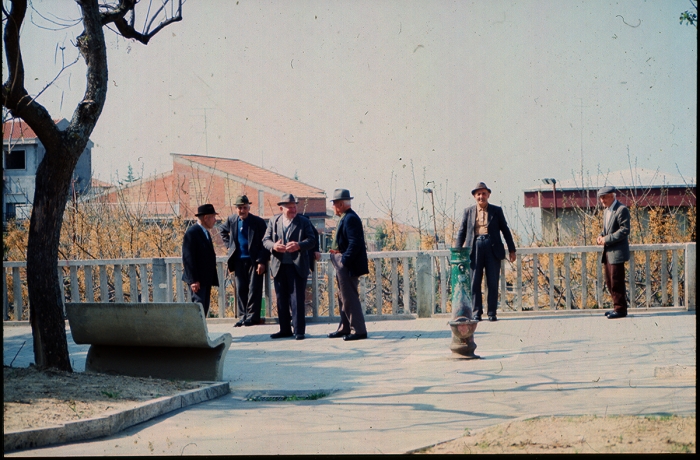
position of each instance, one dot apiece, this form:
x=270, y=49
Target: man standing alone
x=247, y=258
x=289, y=237
x=199, y=257
x=349, y=257
x=482, y=225
x=616, y=249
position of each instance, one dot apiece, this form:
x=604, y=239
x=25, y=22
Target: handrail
x=412, y=282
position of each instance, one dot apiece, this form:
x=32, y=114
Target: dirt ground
x=34, y=399
x=586, y=434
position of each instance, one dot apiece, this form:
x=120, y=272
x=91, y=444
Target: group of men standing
x=289, y=241
x=287, y=244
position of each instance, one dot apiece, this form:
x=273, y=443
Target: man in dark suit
x=199, y=257
x=349, y=257
x=247, y=259
x=481, y=228
x=616, y=249
x=289, y=237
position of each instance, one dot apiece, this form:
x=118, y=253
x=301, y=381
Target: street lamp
x=432, y=199
x=554, y=194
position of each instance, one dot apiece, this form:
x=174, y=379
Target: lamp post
x=432, y=200
x=553, y=182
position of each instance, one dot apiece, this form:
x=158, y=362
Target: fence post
x=690, y=272
x=424, y=285
x=160, y=282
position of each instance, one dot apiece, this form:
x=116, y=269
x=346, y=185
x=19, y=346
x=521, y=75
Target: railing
x=399, y=283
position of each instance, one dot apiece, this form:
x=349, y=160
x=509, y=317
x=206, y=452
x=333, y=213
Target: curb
x=112, y=422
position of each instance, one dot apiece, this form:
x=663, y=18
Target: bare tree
x=63, y=148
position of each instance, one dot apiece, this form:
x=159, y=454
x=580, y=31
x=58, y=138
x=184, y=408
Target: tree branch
x=14, y=95
x=126, y=28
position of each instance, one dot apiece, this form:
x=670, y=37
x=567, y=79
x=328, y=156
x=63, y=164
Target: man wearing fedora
x=481, y=228
x=349, y=257
x=289, y=237
x=199, y=257
x=616, y=248
x=243, y=233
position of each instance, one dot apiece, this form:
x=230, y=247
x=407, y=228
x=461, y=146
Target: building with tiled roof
x=199, y=179
x=22, y=153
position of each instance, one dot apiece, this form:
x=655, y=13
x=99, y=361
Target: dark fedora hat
x=205, y=209
x=480, y=186
x=605, y=190
x=242, y=200
x=286, y=199
x=341, y=194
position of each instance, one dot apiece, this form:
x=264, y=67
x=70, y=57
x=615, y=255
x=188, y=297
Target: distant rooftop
x=623, y=179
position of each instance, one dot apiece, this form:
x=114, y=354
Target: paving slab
x=403, y=389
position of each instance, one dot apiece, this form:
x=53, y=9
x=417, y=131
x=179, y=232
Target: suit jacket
x=351, y=243
x=199, y=258
x=496, y=225
x=616, y=233
x=301, y=231
x=256, y=233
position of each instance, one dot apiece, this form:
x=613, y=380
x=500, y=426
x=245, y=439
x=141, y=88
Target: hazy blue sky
x=351, y=93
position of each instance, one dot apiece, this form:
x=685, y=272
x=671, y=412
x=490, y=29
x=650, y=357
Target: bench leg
x=158, y=362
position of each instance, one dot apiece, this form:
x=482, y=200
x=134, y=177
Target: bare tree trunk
x=63, y=149
x=45, y=295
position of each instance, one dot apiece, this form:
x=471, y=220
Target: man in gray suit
x=616, y=249
x=289, y=237
x=482, y=225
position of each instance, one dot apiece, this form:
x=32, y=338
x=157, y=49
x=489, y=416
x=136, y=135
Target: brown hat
x=205, y=209
x=242, y=201
x=480, y=186
x=286, y=199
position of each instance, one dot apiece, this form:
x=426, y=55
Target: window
x=15, y=159
x=10, y=211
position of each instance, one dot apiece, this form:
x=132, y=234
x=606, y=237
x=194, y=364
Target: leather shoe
x=336, y=334
x=355, y=337
x=280, y=335
x=493, y=318
x=299, y=337
x=251, y=323
x=615, y=315
x=477, y=317
x=239, y=324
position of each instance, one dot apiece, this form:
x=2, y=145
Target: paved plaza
x=403, y=389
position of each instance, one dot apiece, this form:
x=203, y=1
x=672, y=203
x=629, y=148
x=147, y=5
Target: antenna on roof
x=206, y=136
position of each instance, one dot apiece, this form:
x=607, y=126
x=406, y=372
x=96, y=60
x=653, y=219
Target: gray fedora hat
x=480, y=186
x=242, y=201
x=605, y=190
x=286, y=199
x=205, y=209
x=341, y=194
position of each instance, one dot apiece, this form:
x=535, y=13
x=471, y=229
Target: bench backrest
x=139, y=324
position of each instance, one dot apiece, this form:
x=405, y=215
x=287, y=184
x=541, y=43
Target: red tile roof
x=18, y=129
x=248, y=173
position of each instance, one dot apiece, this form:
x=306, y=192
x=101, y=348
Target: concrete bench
x=159, y=340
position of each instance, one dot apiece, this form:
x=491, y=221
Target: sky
x=387, y=98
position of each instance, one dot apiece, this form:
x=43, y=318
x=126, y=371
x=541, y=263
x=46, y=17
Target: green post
x=460, y=283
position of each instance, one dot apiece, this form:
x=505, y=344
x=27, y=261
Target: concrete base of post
x=463, y=337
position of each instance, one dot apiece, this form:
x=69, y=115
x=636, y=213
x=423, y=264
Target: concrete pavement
x=403, y=389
